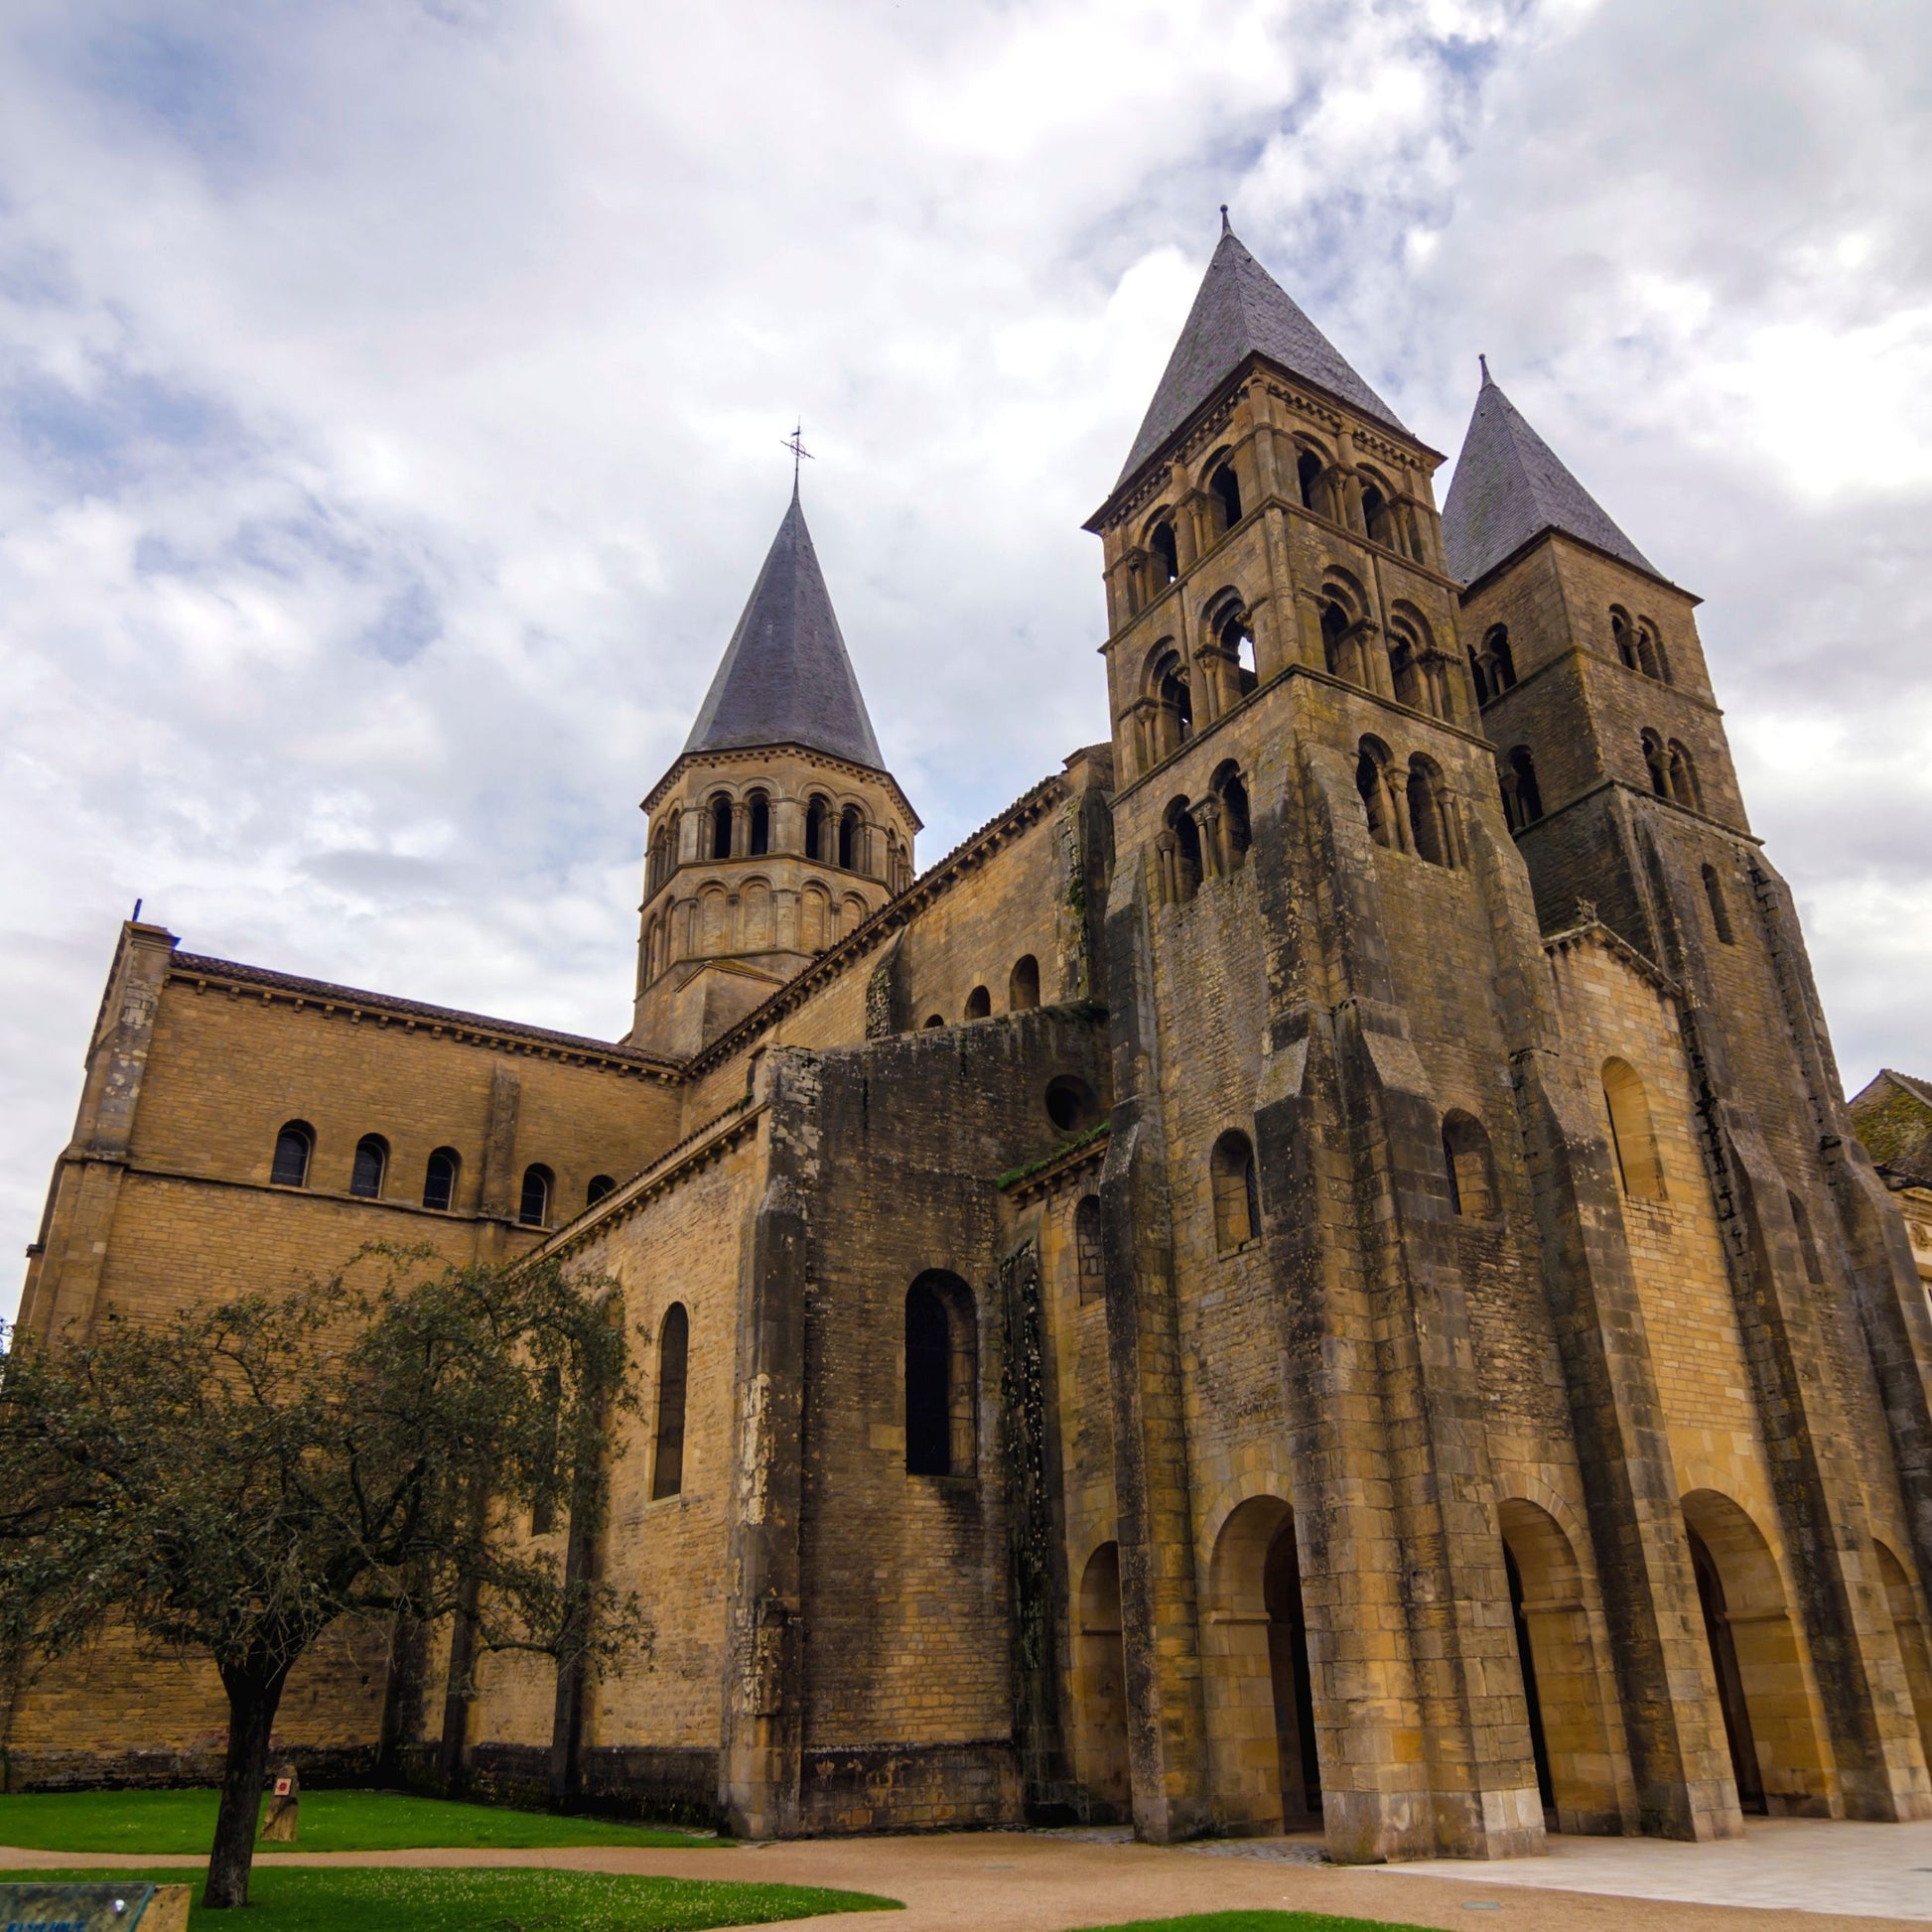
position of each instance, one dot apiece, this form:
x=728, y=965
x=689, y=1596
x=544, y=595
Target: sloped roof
x=1242, y=310
x=1509, y=486
x=1893, y=1116
x=785, y=678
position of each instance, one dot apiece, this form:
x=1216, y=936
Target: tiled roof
x=1509, y=486
x=1241, y=309
x=785, y=678
x=187, y=965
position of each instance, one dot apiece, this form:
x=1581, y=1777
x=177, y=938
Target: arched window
x=1466, y=1157
x=1225, y=489
x=941, y=1377
x=1237, y=640
x=1166, y=553
x=371, y=1163
x=1493, y=666
x=1375, y=514
x=293, y=1147
x=1089, y=1251
x=1185, y=877
x=759, y=824
x=1429, y=821
x=851, y=839
x=1308, y=480
x=439, y=1179
x=1023, y=985
x=1807, y=1247
x=1175, y=721
x=1684, y=786
x=1236, y=826
x=1072, y=1104
x=1405, y=671
x=815, y=816
x=1714, y=892
x=1378, y=796
x=1522, y=797
x=601, y=1184
x=533, y=1205
x=935, y=1020
x=1231, y=1176
x=1624, y=638
x=720, y=811
x=1337, y=654
x=1655, y=764
x=1632, y=1138
x=979, y=1004
x=673, y=1366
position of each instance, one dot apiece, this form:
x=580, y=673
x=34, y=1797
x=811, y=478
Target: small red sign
x=282, y=1787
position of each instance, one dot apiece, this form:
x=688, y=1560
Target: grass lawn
x=1258, y=1922
x=173, y=1821
x=350, y=1898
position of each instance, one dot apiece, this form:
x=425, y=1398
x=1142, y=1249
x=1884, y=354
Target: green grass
x=1259, y=1922
x=168, y=1823
x=364, y=1898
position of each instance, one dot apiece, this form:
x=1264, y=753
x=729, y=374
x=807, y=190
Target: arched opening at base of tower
x=1259, y=1704
x=1563, y=1687
x=1100, y=1692
x=1754, y=1658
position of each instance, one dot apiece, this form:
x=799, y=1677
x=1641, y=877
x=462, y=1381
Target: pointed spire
x=1509, y=486
x=1241, y=309
x=786, y=677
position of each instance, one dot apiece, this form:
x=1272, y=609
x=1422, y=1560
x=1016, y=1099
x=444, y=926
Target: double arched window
x=295, y=1146
x=941, y=1377
x=1494, y=667
x=1637, y=646
x=1522, y=796
x=1672, y=770
x=1231, y=1178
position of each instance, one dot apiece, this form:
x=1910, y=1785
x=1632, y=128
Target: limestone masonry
x=1314, y=1271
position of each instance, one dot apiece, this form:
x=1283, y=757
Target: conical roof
x=1242, y=310
x=1509, y=486
x=785, y=678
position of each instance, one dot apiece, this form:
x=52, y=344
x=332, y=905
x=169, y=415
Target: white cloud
x=390, y=401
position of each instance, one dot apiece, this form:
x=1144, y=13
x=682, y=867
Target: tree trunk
x=252, y=1703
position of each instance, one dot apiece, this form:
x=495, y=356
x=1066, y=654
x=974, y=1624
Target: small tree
x=235, y=1479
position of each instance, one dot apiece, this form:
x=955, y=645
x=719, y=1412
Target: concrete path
x=1796, y=1877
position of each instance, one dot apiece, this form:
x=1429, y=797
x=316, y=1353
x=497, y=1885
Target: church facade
x=1312, y=1273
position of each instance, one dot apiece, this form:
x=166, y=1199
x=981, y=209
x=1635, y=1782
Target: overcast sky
x=390, y=404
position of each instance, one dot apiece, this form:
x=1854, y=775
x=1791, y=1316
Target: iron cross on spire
x=796, y=442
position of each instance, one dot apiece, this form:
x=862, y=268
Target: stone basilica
x=1313, y=1272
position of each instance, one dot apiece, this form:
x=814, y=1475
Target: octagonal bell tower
x=779, y=829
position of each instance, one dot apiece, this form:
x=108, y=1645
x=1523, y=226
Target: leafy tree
x=235, y=1479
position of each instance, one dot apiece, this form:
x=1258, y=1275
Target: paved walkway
x=1789, y=1877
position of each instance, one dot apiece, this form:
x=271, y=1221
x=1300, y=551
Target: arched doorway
x=1561, y=1685
x=1100, y=1691
x=1754, y=1657
x=1914, y=1650
x=1260, y=1704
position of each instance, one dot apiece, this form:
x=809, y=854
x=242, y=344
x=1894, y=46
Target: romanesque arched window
x=1684, y=786
x=1634, y=1141
x=1184, y=854
x=371, y=1163
x=1494, y=667
x=1429, y=819
x=1235, y=826
x=852, y=837
x=1378, y=794
x=817, y=815
x=1089, y=1250
x=440, y=1178
x=720, y=810
x=533, y=1204
x=601, y=1184
x=1522, y=796
x=1023, y=985
x=941, y=1377
x=758, y=824
x=1224, y=489
x=1340, y=654
x=294, y=1146
x=1174, y=717
x=1231, y=1178
x=1376, y=519
x=1237, y=640
x=1656, y=764
x=673, y=1374
x=1307, y=480
x=1625, y=639
x=1166, y=553
x=979, y=1004
x=1650, y=653
x=1714, y=895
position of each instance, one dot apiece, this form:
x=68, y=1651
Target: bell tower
x=779, y=829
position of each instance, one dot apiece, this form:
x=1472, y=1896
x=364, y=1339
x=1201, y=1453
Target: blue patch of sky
x=95, y=443
x=406, y=625
x=196, y=88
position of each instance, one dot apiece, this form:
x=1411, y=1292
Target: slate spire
x=785, y=678
x=1241, y=309
x=1509, y=486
